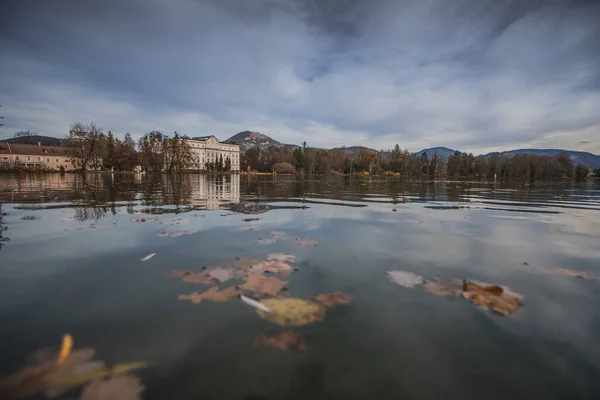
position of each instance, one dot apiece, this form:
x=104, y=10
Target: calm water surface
x=72, y=265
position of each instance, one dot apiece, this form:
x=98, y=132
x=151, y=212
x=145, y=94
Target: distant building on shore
x=207, y=151
x=35, y=156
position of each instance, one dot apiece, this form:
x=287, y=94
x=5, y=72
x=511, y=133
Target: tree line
x=396, y=161
x=154, y=152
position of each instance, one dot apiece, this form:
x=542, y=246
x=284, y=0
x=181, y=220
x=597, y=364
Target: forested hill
x=578, y=157
x=35, y=139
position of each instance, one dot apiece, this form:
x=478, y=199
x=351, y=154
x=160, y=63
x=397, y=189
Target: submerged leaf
x=292, y=311
x=306, y=242
x=52, y=380
x=120, y=387
x=287, y=340
x=334, y=299
x=492, y=297
x=211, y=294
x=260, y=284
x=444, y=287
x=406, y=279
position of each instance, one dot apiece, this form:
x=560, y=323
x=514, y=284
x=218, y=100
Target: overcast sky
x=475, y=75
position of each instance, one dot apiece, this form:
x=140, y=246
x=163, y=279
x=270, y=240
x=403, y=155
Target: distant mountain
x=442, y=152
x=578, y=157
x=355, y=149
x=35, y=139
x=247, y=140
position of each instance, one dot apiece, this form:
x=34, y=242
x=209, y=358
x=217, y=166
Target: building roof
x=33, y=149
x=203, y=137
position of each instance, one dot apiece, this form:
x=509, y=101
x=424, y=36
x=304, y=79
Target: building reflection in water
x=198, y=191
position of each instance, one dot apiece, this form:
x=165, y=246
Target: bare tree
x=152, y=149
x=86, y=142
x=26, y=136
x=178, y=154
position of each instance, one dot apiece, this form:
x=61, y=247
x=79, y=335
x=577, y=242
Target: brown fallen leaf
x=119, y=387
x=334, y=299
x=273, y=266
x=263, y=285
x=199, y=277
x=211, y=294
x=221, y=274
x=444, y=287
x=178, y=273
x=287, y=340
x=240, y=262
x=493, y=297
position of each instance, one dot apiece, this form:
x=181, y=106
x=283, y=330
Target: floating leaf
x=65, y=349
x=492, y=297
x=265, y=241
x=306, y=242
x=287, y=340
x=199, y=277
x=278, y=235
x=221, y=274
x=148, y=257
x=248, y=228
x=179, y=273
x=145, y=219
x=176, y=221
x=241, y=262
x=281, y=257
x=175, y=233
x=120, y=387
x=406, y=279
x=334, y=299
x=292, y=311
x=444, y=287
x=211, y=294
x=254, y=303
x=566, y=272
x=260, y=284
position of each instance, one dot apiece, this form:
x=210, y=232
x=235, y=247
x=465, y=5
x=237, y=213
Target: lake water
x=72, y=264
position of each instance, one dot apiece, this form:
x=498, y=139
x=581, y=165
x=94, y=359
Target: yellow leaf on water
x=292, y=311
x=65, y=349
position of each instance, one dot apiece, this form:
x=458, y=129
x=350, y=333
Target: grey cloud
x=465, y=74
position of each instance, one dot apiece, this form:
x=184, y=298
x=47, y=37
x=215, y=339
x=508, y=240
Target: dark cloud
x=473, y=74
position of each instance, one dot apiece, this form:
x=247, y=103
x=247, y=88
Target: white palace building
x=207, y=150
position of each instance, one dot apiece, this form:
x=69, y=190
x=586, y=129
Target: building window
x=28, y=158
x=56, y=160
x=47, y=160
x=39, y=159
x=17, y=158
x=57, y=166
